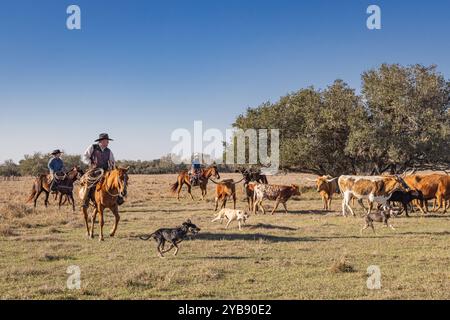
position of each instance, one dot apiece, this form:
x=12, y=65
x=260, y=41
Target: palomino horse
x=183, y=178
x=65, y=186
x=113, y=184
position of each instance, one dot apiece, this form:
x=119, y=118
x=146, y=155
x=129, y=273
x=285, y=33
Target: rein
x=119, y=193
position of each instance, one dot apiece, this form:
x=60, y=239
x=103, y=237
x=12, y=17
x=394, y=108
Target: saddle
x=196, y=177
x=55, y=179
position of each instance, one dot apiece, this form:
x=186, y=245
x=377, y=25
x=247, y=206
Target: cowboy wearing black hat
x=55, y=166
x=98, y=156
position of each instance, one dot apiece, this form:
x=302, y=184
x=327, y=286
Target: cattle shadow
x=315, y=212
x=249, y=237
x=430, y=216
x=222, y=258
x=270, y=227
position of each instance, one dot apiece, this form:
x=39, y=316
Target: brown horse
x=183, y=178
x=113, y=184
x=65, y=186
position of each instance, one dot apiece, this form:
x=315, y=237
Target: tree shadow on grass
x=443, y=233
x=249, y=236
x=149, y=210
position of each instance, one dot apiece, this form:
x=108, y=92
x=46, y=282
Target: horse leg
x=234, y=201
x=190, y=192
x=101, y=222
x=47, y=194
x=73, y=201
x=180, y=185
x=94, y=216
x=203, y=187
x=85, y=215
x=115, y=211
x=36, y=197
x=60, y=201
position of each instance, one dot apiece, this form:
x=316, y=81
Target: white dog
x=231, y=215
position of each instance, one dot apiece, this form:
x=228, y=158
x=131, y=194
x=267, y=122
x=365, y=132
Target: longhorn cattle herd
x=386, y=196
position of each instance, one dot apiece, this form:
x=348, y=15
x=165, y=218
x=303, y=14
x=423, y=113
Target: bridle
x=121, y=187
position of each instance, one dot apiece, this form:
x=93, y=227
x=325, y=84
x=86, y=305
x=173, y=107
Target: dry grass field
x=306, y=254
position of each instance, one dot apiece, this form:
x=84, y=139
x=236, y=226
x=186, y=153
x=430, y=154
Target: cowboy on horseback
x=196, y=169
x=98, y=156
x=56, y=167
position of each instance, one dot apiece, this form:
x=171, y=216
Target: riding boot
x=120, y=200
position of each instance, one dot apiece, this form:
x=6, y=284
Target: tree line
x=36, y=164
x=400, y=120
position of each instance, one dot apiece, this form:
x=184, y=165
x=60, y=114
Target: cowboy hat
x=55, y=152
x=103, y=136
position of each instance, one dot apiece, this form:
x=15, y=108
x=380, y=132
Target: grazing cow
x=327, y=186
x=443, y=192
x=225, y=189
x=405, y=198
x=372, y=188
x=281, y=194
x=427, y=185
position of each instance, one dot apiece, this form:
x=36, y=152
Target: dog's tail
x=147, y=237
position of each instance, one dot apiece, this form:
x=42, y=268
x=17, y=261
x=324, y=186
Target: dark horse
x=183, y=178
x=64, y=187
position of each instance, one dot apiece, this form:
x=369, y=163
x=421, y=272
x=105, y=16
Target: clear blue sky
x=140, y=69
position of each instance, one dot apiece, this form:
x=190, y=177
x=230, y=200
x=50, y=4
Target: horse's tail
x=33, y=193
x=174, y=187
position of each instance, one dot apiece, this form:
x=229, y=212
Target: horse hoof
x=111, y=234
x=101, y=239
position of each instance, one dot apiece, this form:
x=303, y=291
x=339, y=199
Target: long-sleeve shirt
x=87, y=157
x=55, y=165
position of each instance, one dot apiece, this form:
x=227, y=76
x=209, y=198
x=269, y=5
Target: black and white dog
x=172, y=235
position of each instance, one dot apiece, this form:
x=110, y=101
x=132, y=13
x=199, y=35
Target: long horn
x=331, y=180
x=238, y=181
x=409, y=173
x=213, y=181
x=312, y=180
